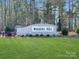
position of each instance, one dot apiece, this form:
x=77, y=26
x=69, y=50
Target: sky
x=67, y=5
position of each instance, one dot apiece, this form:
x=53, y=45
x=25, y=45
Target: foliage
x=65, y=31
x=77, y=31
x=8, y=29
x=24, y=12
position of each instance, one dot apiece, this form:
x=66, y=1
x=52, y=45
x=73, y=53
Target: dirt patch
x=72, y=33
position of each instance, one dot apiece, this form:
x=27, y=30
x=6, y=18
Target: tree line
x=25, y=12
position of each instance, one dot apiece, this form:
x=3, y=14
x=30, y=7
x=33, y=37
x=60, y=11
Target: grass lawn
x=39, y=48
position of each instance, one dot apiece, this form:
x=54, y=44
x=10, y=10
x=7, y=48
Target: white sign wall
x=43, y=29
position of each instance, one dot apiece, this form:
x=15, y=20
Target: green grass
x=39, y=48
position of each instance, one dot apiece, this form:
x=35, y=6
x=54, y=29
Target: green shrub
x=8, y=29
x=77, y=31
x=65, y=31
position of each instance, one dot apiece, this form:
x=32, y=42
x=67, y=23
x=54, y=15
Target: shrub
x=47, y=35
x=41, y=35
x=77, y=31
x=30, y=35
x=8, y=29
x=65, y=31
x=37, y=35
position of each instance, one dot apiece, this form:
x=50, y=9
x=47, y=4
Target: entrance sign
x=38, y=29
x=42, y=29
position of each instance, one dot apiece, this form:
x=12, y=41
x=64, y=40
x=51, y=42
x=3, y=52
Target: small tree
x=8, y=29
x=77, y=31
x=65, y=31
